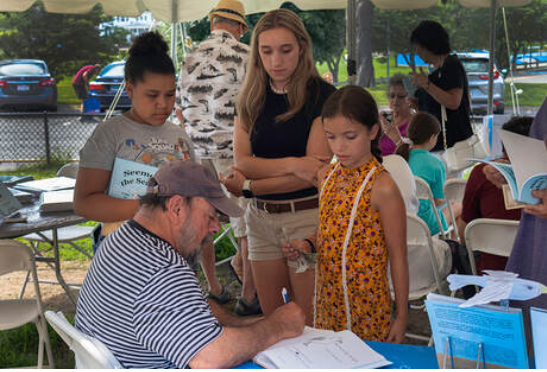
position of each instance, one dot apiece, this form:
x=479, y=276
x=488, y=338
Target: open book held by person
x=528, y=169
x=319, y=349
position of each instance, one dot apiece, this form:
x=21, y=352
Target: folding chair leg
x=49, y=352
x=75, y=246
x=24, y=286
x=40, y=344
x=232, y=239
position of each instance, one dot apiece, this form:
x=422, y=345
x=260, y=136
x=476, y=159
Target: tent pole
x=351, y=43
x=174, y=12
x=493, y=9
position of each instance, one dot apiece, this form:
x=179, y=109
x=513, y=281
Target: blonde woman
x=279, y=145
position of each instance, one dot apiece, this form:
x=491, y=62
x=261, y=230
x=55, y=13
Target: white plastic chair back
x=454, y=190
x=401, y=173
x=16, y=256
x=69, y=170
x=89, y=352
x=423, y=191
x=490, y=235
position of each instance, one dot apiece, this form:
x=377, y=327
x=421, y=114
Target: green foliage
x=65, y=92
x=65, y=41
x=532, y=94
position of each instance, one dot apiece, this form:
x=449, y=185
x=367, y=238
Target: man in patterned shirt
x=208, y=85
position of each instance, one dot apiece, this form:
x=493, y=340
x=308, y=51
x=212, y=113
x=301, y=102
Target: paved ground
x=540, y=78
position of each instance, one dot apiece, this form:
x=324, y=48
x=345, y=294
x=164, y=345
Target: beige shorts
x=223, y=166
x=267, y=231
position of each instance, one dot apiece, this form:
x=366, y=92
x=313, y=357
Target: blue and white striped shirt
x=143, y=301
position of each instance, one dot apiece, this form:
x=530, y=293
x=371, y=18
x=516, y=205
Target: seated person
x=482, y=199
x=141, y=297
x=423, y=131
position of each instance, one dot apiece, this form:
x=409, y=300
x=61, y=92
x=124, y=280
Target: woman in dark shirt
x=446, y=86
x=279, y=145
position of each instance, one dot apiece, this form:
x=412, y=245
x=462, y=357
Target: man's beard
x=186, y=236
x=194, y=258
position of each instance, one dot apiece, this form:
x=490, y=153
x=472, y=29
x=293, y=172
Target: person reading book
x=362, y=227
x=529, y=255
x=142, y=134
x=482, y=199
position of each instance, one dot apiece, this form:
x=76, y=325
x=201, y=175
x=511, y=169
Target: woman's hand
x=233, y=182
x=419, y=79
x=390, y=129
x=306, y=168
x=397, y=331
x=295, y=249
x=538, y=210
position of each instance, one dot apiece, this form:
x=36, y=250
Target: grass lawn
x=65, y=92
x=532, y=94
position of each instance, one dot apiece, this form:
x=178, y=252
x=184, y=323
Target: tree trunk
x=365, y=68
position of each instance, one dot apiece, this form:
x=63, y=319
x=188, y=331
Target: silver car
x=476, y=66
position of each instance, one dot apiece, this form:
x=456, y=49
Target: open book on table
x=528, y=169
x=320, y=349
x=48, y=184
x=57, y=201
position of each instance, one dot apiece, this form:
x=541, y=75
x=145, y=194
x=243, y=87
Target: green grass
x=532, y=94
x=65, y=92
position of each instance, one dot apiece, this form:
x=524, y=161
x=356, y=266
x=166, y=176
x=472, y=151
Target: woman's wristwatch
x=246, y=190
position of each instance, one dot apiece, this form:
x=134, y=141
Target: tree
x=66, y=42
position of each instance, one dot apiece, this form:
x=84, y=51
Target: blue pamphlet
x=129, y=179
x=458, y=332
x=538, y=319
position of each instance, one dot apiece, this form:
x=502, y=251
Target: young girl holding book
x=362, y=225
x=143, y=134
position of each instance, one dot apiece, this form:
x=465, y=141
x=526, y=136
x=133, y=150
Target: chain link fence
x=29, y=137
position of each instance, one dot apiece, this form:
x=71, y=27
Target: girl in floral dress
x=362, y=226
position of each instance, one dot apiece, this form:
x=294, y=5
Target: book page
x=538, y=318
x=528, y=156
x=48, y=184
x=319, y=349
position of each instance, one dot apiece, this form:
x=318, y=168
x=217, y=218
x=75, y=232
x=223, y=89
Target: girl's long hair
x=253, y=93
x=420, y=129
x=355, y=103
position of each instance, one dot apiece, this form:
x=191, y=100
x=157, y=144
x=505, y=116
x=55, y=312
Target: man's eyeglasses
x=398, y=96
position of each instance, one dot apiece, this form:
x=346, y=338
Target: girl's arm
x=91, y=202
x=259, y=168
x=387, y=198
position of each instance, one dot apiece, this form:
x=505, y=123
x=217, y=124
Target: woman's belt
x=287, y=206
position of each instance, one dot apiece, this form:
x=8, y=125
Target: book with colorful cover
x=129, y=179
x=458, y=332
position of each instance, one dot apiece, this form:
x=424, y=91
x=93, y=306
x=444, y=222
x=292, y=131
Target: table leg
x=58, y=274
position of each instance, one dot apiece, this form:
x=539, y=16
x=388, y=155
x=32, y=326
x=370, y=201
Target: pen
x=285, y=295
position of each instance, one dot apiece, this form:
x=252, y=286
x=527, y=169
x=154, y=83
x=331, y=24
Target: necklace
x=277, y=91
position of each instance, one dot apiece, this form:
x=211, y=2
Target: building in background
x=135, y=25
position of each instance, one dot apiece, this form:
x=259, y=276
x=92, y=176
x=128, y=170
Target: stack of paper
x=319, y=349
x=48, y=184
x=57, y=201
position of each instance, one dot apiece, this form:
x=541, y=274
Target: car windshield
x=475, y=65
x=115, y=71
x=22, y=69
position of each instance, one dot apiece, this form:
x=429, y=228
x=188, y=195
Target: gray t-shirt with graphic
x=124, y=138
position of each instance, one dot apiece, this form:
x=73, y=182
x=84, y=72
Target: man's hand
x=538, y=210
x=289, y=320
x=233, y=182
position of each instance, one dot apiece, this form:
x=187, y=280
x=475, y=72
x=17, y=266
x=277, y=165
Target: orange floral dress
x=366, y=257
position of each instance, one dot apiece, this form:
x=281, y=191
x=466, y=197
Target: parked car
x=107, y=84
x=476, y=65
x=27, y=84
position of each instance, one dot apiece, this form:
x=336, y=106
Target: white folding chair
x=454, y=190
x=67, y=235
x=401, y=173
x=89, y=352
x=16, y=256
x=490, y=235
x=423, y=192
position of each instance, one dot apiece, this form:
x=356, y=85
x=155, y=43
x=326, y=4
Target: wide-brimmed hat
x=231, y=9
x=186, y=178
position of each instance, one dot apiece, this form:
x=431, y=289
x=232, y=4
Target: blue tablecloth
x=402, y=356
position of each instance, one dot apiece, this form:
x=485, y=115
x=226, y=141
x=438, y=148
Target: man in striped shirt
x=141, y=297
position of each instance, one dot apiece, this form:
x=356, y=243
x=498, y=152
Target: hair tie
x=406, y=140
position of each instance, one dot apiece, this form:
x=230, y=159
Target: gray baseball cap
x=186, y=178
